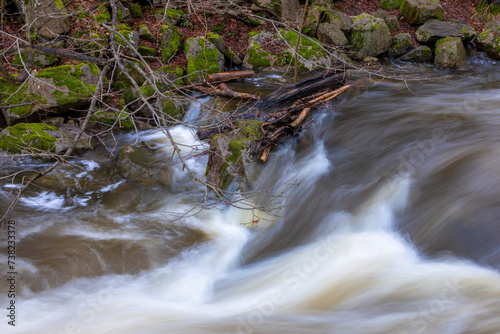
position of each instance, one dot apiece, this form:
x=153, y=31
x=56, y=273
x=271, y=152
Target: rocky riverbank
x=154, y=54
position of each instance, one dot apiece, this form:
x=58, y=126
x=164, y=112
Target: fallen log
x=224, y=91
x=228, y=76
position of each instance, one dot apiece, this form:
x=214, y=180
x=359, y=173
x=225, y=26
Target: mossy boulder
x=390, y=4
x=27, y=137
x=391, y=20
x=122, y=11
x=171, y=40
x=400, y=44
x=433, y=30
x=50, y=17
x=51, y=90
x=172, y=75
x=489, y=39
x=38, y=139
x=145, y=33
x=289, y=11
x=417, y=12
x=422, y=54
x=169, y=16
x=450, y=52
x=130, y=40
x=340, y=19
x=256, y=56
x=311, y=55
x=39, y=60
x=369, y=36
x=135, y=10
x=116, y=121
x=203, y=58
x=229, y=55
x=330, y=33
x=148, y=53
x=229, y=156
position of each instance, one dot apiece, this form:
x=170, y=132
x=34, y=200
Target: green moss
x=168, y=106
x=147, y=52
x=308, y=46
x=71, y=77
x=170, y=42
x=135, y=10
x=28, y=135
x=39, y=60
x=205, y=63
x=13, y=95
x=251, y=129
x=102, y=14
x=236, y=146
x=258, y=57
x=252, y=33
x=113, y=119
x=120, y=85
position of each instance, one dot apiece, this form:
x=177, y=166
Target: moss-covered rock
x=122, y=11
x=369, y=36
x=256, y=57
x=171, y=74
x=489, y=39
x=433, y=30
x=391, y=20
x=400, y=44
x=203, y=58
x=105, y=120
x=171, y=40
x=39, y=60
x=422, y=54
x=147, y=52
x=331, y=34
x=145, y=33
x=390, y=4
x=229, y=157
x=135, y=10
x=417, y=12
x=312, y=56
x=169, y=16
x=55, y=89
x=450, y=52
x=27, y=137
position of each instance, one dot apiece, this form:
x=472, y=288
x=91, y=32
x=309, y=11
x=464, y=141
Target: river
x=387, y=221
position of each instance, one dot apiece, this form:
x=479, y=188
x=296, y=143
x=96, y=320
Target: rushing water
x=389, y=225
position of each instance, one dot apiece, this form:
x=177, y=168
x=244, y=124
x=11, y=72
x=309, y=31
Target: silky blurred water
x=389, y=224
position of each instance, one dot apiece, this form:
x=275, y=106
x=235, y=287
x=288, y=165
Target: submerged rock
x=450, y=52
x=369, y=36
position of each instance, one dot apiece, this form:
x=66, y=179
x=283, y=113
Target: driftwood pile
x=283, y=112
